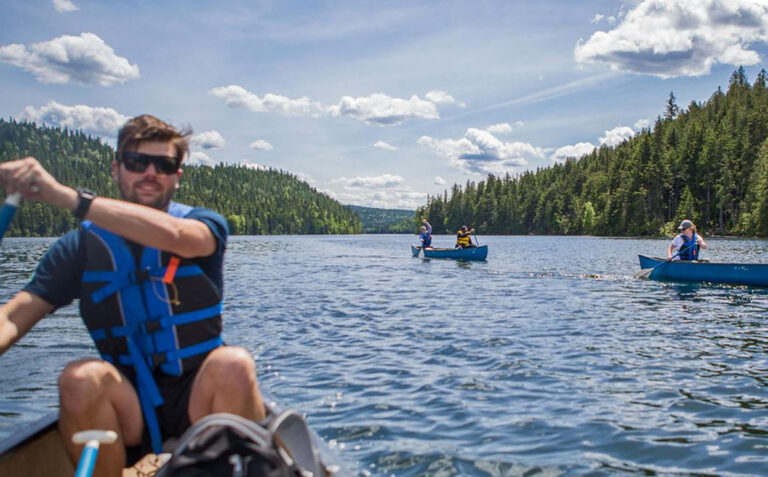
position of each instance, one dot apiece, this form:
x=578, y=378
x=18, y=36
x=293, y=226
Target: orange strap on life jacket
x=170, y=271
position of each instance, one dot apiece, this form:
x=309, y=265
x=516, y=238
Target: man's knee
x=231, y=366
x=83, y=382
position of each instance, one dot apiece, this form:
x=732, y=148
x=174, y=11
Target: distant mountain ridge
x=254, y=202
x=385, y=221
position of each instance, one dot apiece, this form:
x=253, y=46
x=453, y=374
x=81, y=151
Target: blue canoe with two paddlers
x=751, y=274
x=471, y=253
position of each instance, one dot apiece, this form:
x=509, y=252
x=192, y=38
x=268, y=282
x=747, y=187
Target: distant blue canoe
x=474, y=253
x=752, y=274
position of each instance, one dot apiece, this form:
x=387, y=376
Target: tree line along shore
x=707, y=162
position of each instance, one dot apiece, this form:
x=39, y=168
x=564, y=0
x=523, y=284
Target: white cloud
x=441, y=97
x=376, y=182
x=439, y=180
x=236, y=96
x=616, y=136
x=500, y=128
x=377, y=109
x=610, y=19
x=384, y=145
x=385, y=199
x=64, y=6
x=261, y=145
x=519, y=124
x=83, y=59
x=95, y=120
x=200, y=159
x=481, y=152
x=574, y=151
x=382, y=110
x=640, y=124
x=612, y=137
x=669, y=38
x=209, y=140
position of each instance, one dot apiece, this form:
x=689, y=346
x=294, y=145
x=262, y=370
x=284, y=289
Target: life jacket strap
x=152, y=326
x=116, y=281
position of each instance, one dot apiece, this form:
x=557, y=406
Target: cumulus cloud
x=382, y=198
x=481, y=152
x=439, y=180
x=95, y=120
x=376, y=109
x=573, y=151
x=669, y=38
x=616, y=136
x=377, y=182
x=261, y=145
x=441, y=97
x=209, y=140
x=384, y=145
x=236, y=96
x=200, y=159
x=640, y=124
x=611, y=137
x=382, y=110
x=500, y=128
x=64, y=6
x=83, y=59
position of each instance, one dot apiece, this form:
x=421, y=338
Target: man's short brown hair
x=149, y=128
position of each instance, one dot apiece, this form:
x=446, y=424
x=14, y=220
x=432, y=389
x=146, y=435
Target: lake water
x=548, y=359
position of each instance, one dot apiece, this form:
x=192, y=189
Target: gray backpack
x=228, y=445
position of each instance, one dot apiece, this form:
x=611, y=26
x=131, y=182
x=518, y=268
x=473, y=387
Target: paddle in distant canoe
x=472, y=253
x=752, y=274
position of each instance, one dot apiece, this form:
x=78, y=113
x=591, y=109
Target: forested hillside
x=385, y=221
x=253, y=201
x=708, y=162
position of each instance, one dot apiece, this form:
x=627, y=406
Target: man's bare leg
x=227, y=382
x=94, y=395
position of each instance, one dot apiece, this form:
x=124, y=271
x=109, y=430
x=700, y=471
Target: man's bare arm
x=187, y=238
x=19, y=315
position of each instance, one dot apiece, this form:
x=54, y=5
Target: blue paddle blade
x=6, y=213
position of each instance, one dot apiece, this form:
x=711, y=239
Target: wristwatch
x=85, y=197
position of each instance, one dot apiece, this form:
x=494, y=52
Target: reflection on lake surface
x=548, y=359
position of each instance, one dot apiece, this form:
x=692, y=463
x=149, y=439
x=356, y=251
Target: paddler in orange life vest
x=464, y=237
x=687, y=244
x=148, y=273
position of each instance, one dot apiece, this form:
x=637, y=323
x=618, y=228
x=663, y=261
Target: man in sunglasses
x=148, y=274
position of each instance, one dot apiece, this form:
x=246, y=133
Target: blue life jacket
x=690, y=249
x=426, y=239
x=148, y=313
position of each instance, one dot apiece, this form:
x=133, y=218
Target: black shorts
x=172, y=414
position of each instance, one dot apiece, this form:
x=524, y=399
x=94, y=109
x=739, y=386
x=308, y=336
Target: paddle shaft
x=87, y=459
x=7, y=212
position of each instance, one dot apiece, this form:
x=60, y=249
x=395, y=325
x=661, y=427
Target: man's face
x=150, y=188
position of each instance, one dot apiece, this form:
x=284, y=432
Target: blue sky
x=375, y=102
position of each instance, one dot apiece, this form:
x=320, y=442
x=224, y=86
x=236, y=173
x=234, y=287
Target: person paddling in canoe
x=425, y=234
x=686, y=245
x=148, y=274
x=464, y=237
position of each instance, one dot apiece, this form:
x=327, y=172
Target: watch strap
x=84, y=199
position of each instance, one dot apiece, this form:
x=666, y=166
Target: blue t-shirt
x=58, y=275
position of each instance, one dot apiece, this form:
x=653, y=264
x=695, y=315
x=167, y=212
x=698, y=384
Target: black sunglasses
x=138, y=162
